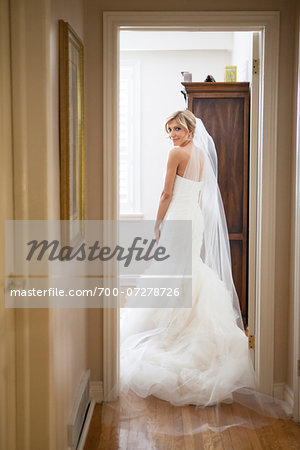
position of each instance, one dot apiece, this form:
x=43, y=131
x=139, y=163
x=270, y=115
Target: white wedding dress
x=194, y=355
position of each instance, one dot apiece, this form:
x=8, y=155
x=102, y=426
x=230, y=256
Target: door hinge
x=251, y=340
x=256, y=65
x=298, y=368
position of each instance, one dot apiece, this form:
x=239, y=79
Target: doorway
x=263, y=222
x=152, y=65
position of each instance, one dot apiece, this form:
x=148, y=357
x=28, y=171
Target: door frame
x=262, y=268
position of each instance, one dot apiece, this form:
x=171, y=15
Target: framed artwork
x=230, y=73
x=71, y=128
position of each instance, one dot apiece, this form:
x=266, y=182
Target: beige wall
x=93, y=41
x=295, y=124
x=285, y=129
x=7, y=316
x=94, y=159
x=30, y=79
x=51, y=345
x=69, y=327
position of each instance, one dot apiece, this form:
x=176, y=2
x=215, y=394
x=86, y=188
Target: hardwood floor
x=282, y=434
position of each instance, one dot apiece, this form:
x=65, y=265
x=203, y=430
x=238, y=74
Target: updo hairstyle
x=186, y=120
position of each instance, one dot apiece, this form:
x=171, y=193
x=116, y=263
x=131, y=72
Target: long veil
x=140, y=409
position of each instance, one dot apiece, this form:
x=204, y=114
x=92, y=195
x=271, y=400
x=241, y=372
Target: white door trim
x=268, y=24
x=255, y=113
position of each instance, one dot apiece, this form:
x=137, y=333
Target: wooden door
x=224, y=110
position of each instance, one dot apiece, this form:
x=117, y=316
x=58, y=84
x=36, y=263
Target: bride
x=194, y=355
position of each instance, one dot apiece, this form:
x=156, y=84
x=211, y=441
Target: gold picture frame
x=230, y=74
x=71, y=127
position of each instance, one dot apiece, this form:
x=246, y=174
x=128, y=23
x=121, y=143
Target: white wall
x=160, y=96
x=69, y=327
x=174, y=40
x=162, y=57
x=242, y=54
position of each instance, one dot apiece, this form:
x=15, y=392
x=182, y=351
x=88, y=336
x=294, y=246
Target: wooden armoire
x=224, y=110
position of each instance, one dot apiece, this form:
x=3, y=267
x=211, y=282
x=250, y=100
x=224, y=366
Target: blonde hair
x=185, y=118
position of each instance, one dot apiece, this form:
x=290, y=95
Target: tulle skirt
x=194, y=355
x=195, y=358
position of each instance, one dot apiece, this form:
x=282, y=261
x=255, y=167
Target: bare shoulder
x=175, y=154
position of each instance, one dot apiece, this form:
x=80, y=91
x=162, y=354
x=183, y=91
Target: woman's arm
x=166, y=196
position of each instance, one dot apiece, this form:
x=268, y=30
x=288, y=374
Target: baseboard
x=96, y=391
x=289, y=399
x=283, y=392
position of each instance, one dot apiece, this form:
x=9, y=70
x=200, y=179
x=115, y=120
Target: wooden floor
x=282, y=434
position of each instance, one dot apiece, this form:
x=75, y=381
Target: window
x=129, y=139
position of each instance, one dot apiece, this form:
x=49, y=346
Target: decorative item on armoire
x=209, y=79
x=187, y=76
x=230, y=74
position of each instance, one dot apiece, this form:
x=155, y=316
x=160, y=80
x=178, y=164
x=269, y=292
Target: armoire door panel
x=236, y=248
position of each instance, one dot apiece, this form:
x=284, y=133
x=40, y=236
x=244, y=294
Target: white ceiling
x=175, y=40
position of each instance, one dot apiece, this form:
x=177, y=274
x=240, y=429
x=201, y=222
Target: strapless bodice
x=185, y=189
x=185, y=199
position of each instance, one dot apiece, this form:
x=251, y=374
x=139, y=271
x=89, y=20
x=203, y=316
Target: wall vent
x=80, y=406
